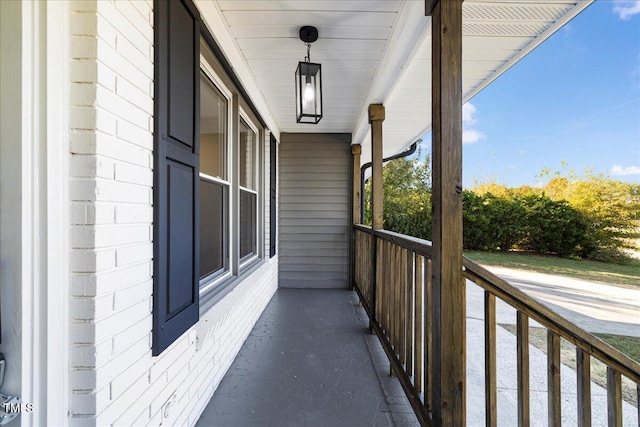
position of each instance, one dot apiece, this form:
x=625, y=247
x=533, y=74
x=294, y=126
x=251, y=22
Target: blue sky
x=574, y=99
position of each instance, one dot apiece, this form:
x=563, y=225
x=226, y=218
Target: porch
x=180, y=192
x=417, y=296
x=311, y=360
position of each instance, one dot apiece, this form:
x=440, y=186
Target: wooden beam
x=522, y=349
x=356, y=151
x=583, y=366
x=449, y=314
x=554, y=397
x=376, y=117
x=614, y=398
x=490, y=361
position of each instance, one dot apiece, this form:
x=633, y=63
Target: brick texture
x=114, y=380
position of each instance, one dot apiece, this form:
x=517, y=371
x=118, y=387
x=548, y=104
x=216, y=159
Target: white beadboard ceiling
x=371, y=52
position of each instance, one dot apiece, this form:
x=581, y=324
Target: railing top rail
x=362, y=227
x=545, y=316
x=419, y=246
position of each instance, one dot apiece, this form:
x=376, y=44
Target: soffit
x=496, y=35
x=371, y=51
x=357, y=39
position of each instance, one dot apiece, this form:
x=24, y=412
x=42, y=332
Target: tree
x=407, y=197
x=491, y=222
x=554, y=227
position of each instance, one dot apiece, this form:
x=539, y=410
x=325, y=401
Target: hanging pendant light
x=308, y=82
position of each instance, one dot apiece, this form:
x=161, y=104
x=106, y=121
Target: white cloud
x=468, y=113
x=626, y=9
x=620, y=170
x=470, y=135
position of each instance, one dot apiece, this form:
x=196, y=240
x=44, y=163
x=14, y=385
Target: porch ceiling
x=374, y=52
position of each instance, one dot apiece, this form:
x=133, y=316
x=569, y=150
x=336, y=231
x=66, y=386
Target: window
x=248, y=189
x=205, y=189
x=228, y=180
x=214, y=184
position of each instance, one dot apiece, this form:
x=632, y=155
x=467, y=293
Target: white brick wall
x=114, y=379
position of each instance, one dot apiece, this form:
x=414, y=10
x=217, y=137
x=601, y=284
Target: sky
x=571, y=104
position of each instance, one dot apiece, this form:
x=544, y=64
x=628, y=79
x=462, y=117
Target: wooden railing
x=393, y=279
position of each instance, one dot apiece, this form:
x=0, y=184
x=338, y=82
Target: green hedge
x=591, y=219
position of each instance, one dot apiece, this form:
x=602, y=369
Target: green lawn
x=626, y=275
x=628, y=345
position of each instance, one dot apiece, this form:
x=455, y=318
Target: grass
x=595, y=271
x=627, y=345
x=538, y=338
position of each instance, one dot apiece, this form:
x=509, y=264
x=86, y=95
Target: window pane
x=213, y=129
x=247, y=156
x=248, y=223
x=213, y=233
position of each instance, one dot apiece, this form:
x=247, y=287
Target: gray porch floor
x=309, y=361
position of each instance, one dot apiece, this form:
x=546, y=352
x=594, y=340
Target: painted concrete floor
x=309, y=361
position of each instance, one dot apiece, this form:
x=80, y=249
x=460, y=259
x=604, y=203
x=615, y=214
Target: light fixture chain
x=308, y=57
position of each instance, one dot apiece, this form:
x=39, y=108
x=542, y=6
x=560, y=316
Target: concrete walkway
x=595, y=307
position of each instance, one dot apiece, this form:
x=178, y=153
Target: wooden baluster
x=403, y=308
x=365, y=252
x=397, y=306
x=418, y=330
x=583, y=367
x=379, y=275
x=428, y=372
x=522, y=327
x=553, y=379
x=366, y=269
x=363, y=261
x=408, y=313
x=490, y=360
x=614, y=397
x=357, y=261
x=387, y=287
x=395, y=297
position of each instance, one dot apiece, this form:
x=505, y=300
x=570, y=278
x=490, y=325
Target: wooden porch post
x=376, y=117
x=449, y=311
x=356, y=150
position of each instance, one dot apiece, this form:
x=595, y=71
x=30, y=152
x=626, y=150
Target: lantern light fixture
x=308, y=82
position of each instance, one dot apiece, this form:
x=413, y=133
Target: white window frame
x=256, y=182
x=208, y=283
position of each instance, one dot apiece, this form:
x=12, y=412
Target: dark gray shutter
x=176, y=168
x=273, y=175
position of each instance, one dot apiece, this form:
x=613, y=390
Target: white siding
x=114, y=379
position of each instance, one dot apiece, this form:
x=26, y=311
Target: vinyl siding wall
x=314, y=207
